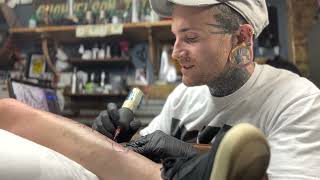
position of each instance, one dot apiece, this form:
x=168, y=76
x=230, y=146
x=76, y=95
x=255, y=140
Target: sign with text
x=59, y=8
x=99, y=30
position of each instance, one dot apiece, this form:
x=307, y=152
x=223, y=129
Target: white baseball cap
x=254, y=11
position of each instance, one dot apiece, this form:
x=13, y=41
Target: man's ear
x=242, y=39
x=244, y=35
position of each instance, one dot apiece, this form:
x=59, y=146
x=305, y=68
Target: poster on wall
x=37, y=66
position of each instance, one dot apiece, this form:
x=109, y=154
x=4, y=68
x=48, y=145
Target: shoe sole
x=243, y=154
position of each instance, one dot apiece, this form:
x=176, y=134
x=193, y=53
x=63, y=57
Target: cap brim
x=164, y=7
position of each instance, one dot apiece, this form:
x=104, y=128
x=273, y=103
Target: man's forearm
x=105, y=158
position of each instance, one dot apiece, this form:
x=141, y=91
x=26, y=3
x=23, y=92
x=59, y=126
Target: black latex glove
x=108, y=121
x=158, y=146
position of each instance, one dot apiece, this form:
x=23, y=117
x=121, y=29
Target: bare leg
x=100, y=155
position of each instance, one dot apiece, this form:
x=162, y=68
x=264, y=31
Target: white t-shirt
x=21, y=159
x=284, y=106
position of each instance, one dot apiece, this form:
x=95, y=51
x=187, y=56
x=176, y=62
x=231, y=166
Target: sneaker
x=242, y=153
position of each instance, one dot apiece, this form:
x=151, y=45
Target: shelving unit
x=154, y=33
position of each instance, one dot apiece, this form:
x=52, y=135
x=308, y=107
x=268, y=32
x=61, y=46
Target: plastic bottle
x=74, y=81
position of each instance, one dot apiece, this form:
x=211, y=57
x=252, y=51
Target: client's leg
x=22, y=159
x=105, y=158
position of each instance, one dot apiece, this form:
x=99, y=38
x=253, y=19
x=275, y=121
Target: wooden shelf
x=93, y=101
x=49, y=29
x=116, y=61
x=138, y=31
x=95, y=95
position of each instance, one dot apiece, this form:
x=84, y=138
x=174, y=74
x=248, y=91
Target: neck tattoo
x=230, y=81
x=233, y=77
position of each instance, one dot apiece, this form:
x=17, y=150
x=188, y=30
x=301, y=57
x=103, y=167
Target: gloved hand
x=158, y=146
x=107, y=122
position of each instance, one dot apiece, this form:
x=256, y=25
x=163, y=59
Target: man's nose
x=178, y=52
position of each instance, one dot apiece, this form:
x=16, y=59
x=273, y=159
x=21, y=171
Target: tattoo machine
x=126, y=112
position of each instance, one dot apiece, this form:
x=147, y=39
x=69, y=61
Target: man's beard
x=229, y=81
